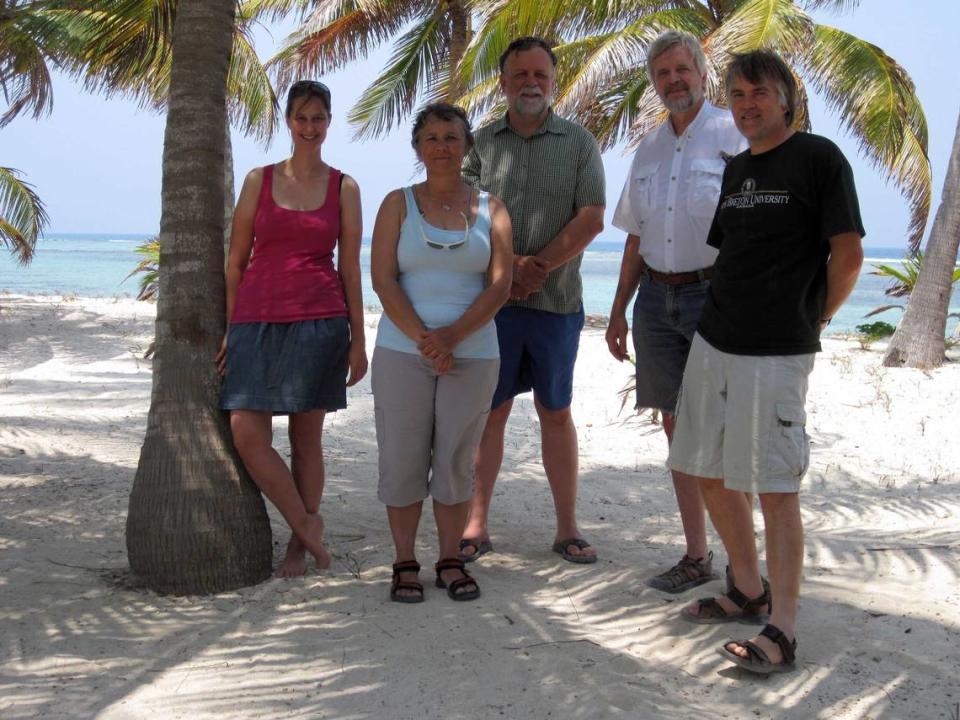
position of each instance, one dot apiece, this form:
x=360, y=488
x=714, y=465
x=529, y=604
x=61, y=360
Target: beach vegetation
x=919, y=341
x=196, y=523
x=869, y=333
x=22, y=215
x=148, y=269
x=905, y=275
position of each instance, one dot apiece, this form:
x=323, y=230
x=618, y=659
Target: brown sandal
x=757, y=660
x=397, y=584
x=463, y=582
x=711, y=612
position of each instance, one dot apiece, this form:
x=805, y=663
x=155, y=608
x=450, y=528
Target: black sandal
x=711, y=612
x=397, y=584
x=454, y=585
x=757, y=660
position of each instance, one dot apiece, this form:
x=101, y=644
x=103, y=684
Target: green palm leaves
x=22, y=217
x=430, y=40
x=602, y=79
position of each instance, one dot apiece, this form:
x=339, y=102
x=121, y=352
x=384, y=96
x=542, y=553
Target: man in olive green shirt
x=548, y=172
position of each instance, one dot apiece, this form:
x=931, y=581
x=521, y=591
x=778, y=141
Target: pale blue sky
x=96, y=163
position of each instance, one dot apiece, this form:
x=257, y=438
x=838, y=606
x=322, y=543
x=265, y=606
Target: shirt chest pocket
x=704, y=190
x=643, y=190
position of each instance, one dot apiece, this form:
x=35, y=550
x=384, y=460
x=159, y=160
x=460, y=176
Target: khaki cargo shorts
x=741, y=418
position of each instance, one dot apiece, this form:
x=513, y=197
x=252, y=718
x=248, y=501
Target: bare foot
x=294, y=563
x=312, y=537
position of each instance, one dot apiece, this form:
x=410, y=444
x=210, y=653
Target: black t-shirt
x=776, y=215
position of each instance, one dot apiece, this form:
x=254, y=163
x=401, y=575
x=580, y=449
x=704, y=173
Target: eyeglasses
x=456, y=245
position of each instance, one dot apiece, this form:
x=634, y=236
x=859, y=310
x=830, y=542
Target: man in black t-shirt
x=788, y=231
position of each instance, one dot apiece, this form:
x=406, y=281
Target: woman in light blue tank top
x=441, y=263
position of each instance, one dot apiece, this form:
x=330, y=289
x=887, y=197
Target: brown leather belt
x=682, y=278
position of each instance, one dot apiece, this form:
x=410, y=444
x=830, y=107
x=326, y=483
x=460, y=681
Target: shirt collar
x=552, y=125
x=702, y=114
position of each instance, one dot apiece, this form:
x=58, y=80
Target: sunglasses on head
x=302, y=86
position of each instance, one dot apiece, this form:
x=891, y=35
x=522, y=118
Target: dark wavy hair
x=445, y=112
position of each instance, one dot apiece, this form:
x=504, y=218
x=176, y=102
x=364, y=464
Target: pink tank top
x=291, y=275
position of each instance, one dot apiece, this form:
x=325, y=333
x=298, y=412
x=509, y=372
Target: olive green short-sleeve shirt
x=543, y=180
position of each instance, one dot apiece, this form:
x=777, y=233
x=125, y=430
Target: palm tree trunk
x=228, y=187
x=459, y=39
x=919, y=339
x=196, y=523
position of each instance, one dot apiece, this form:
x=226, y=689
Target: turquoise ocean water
x=96, y=265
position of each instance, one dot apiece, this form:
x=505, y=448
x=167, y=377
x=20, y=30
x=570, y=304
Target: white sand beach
x=880, y=607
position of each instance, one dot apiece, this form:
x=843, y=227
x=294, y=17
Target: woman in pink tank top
x=295, y=336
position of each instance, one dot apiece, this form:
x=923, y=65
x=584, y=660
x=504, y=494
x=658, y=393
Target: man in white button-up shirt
x=666, y=207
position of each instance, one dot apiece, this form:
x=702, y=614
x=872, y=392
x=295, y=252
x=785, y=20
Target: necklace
x=449, y=206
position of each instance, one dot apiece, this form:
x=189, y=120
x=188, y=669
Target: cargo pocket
x=706, y=176
x=790, y=444
x=643, y=191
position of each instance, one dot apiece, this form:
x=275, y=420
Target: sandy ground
x=878, y=631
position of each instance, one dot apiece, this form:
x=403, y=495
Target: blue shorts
x=665, y=318
x=538, y=350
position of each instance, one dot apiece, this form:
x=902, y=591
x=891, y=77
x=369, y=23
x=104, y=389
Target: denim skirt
x=287, y=367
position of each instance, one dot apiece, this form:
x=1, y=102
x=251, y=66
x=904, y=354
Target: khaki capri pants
x=429, y=425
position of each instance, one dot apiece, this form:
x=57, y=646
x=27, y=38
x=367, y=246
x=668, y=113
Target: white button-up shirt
x=671, y=194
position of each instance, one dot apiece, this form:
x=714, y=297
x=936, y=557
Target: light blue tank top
x=442, y=282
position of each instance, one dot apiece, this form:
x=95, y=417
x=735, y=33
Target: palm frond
x=557, y=21
x=254, y=106
x=119, y=47
x=413, y=67
x=776, y=24
x=272, y=10
x=585, y=66
x=25, y=83
x=22, y=215
x=881, y=309
x=339, y=32
x=877, y=103
x=148, y=269
x=840, y=6
x=483, y=100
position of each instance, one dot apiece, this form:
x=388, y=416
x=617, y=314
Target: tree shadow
x=546, y=639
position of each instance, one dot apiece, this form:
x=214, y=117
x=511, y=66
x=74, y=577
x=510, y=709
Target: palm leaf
x=119, y=47
x=883, y=308
x=339, y=32
x=254, y=105
x=754, y=24
x=122, y=47
x=148, y=269
x=414, y=67
x=272, y=10
x=25, y=83
x=22, y=215
x=585, y=68
x=837, y=5
x=483, y=100
x=877, y=103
